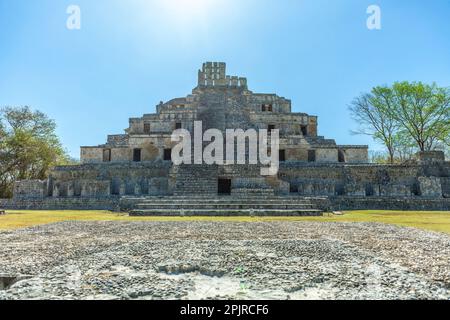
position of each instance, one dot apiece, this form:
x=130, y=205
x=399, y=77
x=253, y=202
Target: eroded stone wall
x=110, y=179
x=412, y=180
x=30, y=189
x=351, y=154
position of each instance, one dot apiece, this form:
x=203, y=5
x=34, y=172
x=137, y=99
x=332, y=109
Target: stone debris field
x=223, y=260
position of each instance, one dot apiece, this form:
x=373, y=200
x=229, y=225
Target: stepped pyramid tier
x=222, y=102
x=136, y=167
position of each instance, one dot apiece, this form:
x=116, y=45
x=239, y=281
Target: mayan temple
x=133, y=171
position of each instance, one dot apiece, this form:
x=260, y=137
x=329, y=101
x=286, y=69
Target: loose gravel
x=224, y=260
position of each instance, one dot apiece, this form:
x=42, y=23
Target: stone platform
x=222, y=206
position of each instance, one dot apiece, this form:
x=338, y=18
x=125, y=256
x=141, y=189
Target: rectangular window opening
x=224, y=186
x=107, y=155
x=137, y=155
x=266, y=108
x=282, y=155
x=167, y=154
x=147, y=128
x=311, y=155
x=304, y=130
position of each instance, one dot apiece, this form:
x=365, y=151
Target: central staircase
x=221, y=206
x=193, y=179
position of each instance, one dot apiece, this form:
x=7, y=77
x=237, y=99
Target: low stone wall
x=334, y=203
x=61, y=204
x=389, y=203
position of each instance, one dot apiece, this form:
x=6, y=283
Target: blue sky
x=131, y=54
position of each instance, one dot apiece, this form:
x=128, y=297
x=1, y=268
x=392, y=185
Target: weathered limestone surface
x=445, y=184
x=109, y=203
x=431, y=156
x=30, y=189
x=430, y=187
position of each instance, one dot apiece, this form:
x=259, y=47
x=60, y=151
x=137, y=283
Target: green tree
x=423, y=111
x=405, y=146
x=29, y=147
x=405, y=118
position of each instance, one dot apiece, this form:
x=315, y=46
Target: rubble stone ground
x=223, y=260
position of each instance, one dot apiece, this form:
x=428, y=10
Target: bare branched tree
x=370, y=112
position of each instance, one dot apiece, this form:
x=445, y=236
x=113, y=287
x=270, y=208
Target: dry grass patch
x=428, y=220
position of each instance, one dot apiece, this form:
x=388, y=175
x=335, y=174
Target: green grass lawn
x=429, y=220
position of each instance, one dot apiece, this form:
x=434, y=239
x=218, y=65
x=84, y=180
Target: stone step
x=253, y=192
x=173, y=200
x=210, y=190
x=195, y=185
x=203, y=205
x=195, y=179
x=226, y=212
x=231, y=206
x=219, y=197
x=226, y=199
x=191, y=180
x=189, y=172
x=191, y=177
x=194, y=188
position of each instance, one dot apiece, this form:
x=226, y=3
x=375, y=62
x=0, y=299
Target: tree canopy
x=423, y=111
x=29, y=147
x=405, y=117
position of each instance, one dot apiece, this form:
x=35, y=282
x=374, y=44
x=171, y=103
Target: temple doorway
x=224, y=186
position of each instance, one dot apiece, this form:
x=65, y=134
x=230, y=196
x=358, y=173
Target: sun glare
x=189, y=10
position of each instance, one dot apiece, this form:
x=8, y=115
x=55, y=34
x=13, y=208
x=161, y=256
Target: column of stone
x=70, y=190
x=55, y=192
x=122, y=188
x=137, y=189
x=84, y=190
